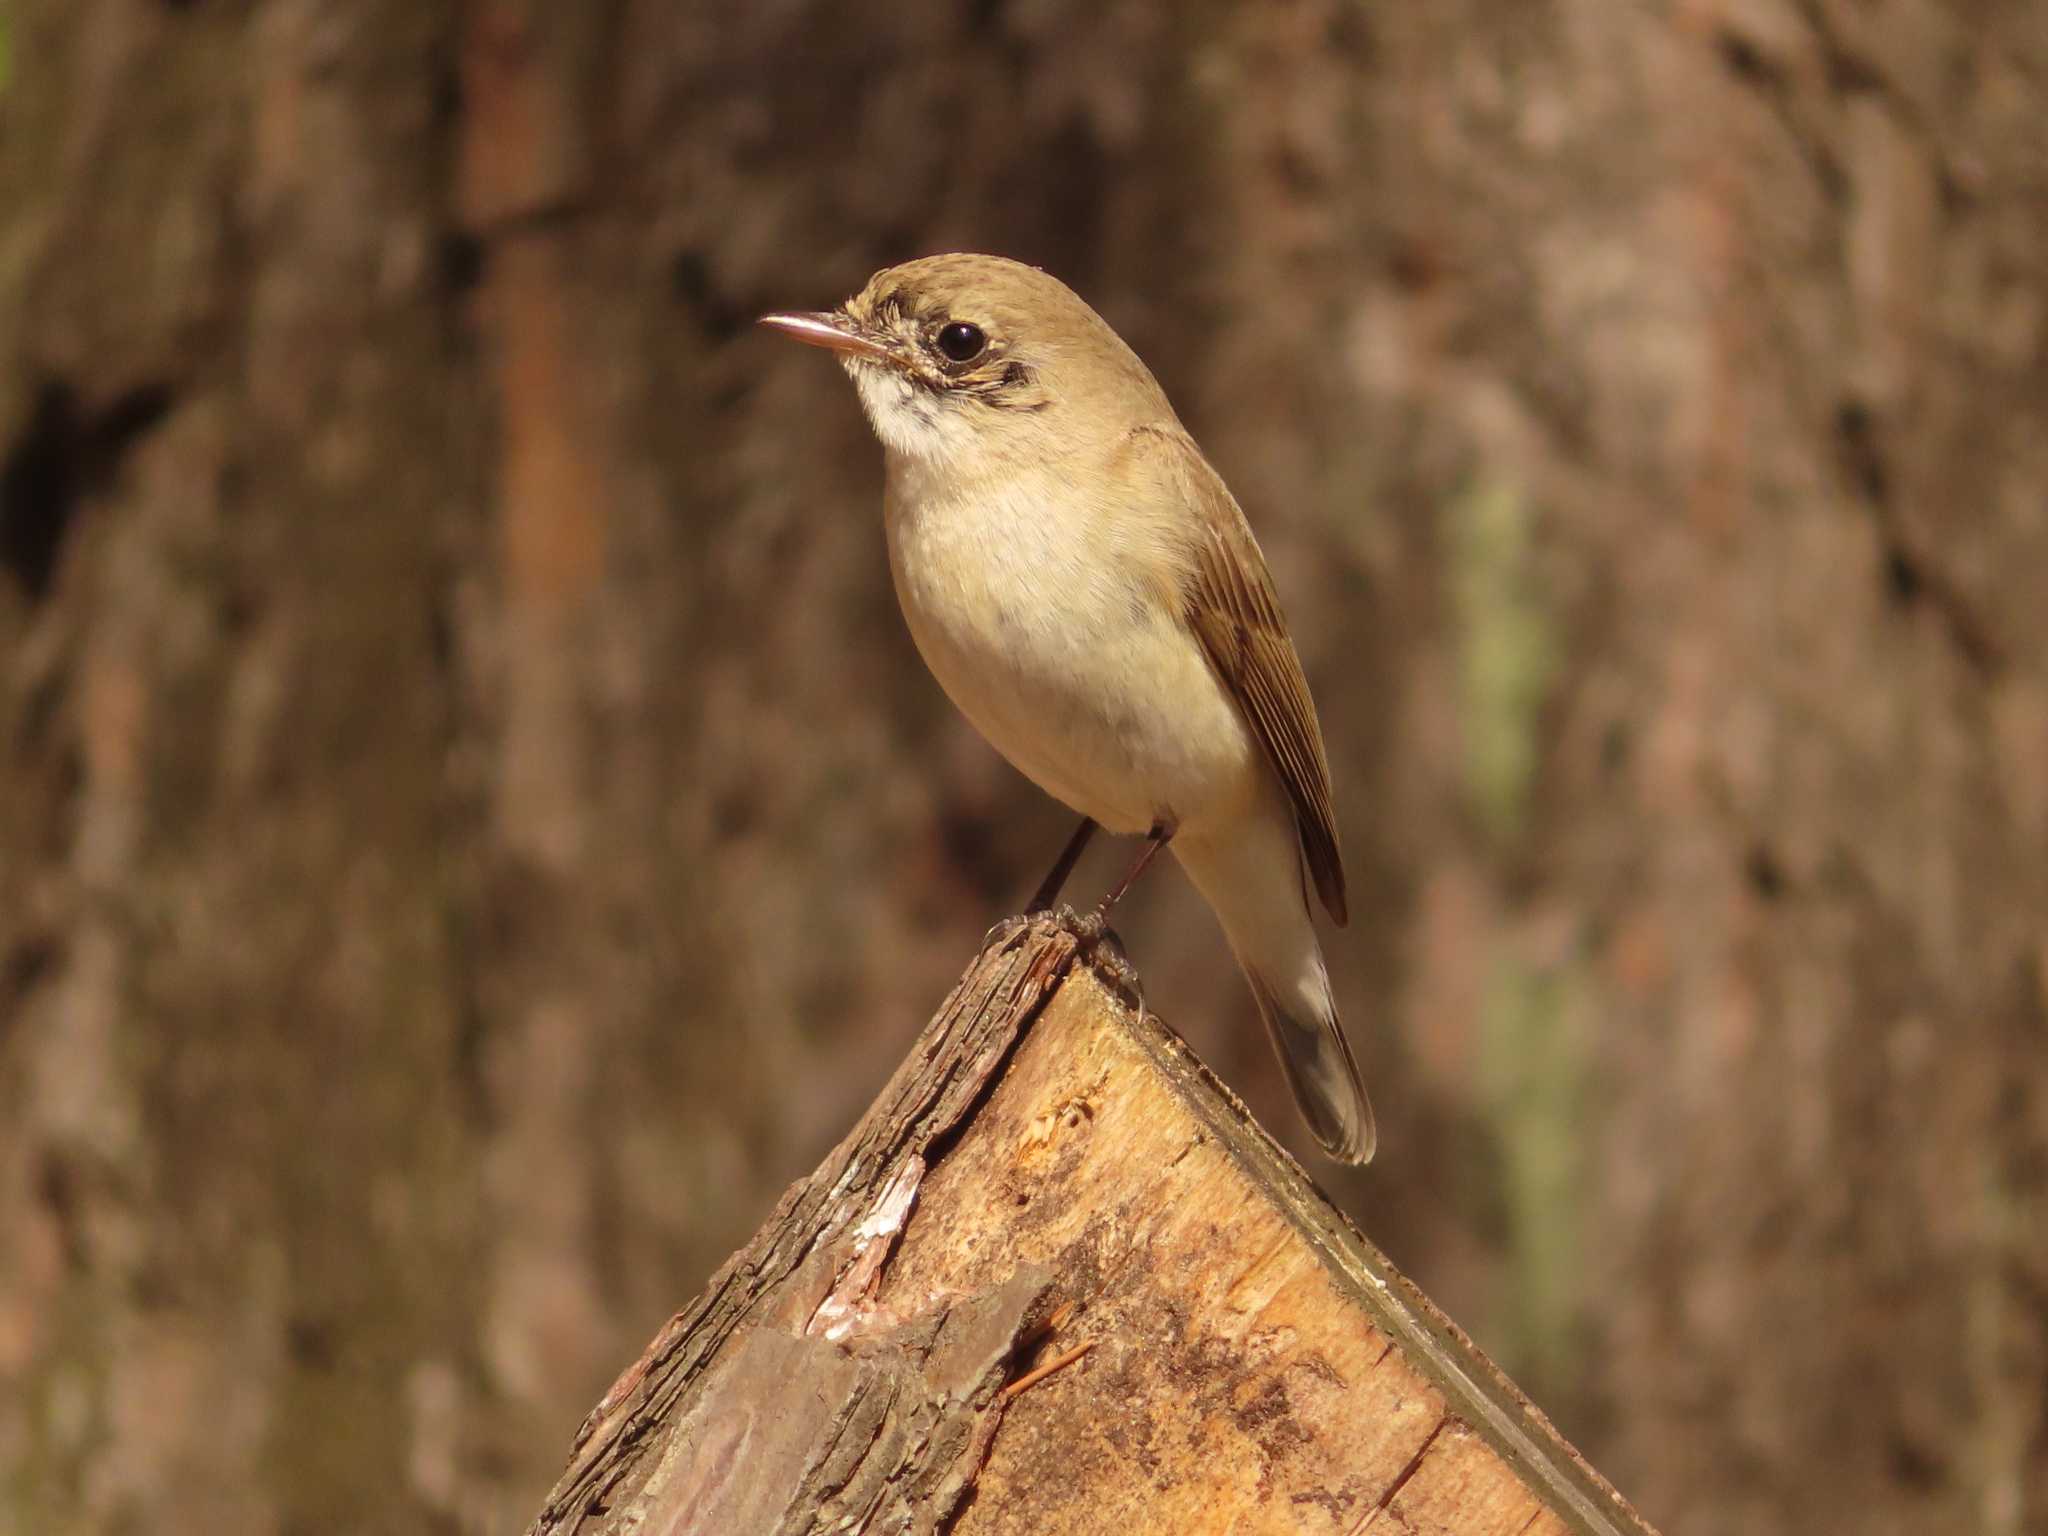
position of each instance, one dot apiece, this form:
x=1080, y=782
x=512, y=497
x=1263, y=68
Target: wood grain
x=1052, y=1169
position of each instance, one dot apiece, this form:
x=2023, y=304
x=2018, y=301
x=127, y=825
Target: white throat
x=912, y=423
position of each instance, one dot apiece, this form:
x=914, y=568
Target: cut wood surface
x=1057, y=1281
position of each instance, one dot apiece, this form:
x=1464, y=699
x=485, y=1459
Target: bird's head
x=959, y=358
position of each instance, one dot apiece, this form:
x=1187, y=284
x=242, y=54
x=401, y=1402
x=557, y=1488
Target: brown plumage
x=1229, y=602
x=1084, y=588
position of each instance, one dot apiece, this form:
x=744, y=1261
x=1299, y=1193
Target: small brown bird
x=1085, y=589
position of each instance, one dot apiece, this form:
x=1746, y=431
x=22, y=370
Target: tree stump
x=1057, y=1281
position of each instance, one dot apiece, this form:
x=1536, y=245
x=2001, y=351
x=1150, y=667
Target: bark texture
x=471, y=824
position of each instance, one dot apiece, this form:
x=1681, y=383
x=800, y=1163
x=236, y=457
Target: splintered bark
x=1057, y=1281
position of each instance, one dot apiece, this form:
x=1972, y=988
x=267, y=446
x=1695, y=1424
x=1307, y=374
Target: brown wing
x=1229, y=603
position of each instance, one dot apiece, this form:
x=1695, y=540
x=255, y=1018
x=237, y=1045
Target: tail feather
x=1251, y=874
x=1323, y=1074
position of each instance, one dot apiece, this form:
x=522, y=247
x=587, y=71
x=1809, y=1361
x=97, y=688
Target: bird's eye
x=962, y=342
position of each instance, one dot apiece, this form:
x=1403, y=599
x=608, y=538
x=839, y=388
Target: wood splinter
x=1034, y=1376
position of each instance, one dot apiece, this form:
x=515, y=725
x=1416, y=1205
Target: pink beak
x=831, y=330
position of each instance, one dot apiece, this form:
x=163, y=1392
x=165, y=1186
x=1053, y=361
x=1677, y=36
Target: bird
x=1089, y=594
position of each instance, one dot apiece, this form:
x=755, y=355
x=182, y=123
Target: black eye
x=962, y=342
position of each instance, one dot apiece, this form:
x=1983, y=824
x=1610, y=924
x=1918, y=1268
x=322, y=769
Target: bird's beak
x=831, y=329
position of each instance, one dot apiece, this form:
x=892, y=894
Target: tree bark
x=1058, y=1282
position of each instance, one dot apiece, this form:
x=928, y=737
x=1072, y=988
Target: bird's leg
x=1160, y=836
x=1049, y=889
x=1104, y=950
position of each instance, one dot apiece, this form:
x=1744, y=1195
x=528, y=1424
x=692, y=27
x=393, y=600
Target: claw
x=1005, y=929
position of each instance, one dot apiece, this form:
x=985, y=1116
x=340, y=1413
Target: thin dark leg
x=1160, y=837
x=1049, y=891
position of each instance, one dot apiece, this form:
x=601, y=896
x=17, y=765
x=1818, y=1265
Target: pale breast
x=1044, y=635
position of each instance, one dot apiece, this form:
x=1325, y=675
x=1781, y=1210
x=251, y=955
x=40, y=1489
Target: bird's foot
x=1089, y=927
x=1007, y=928
x=1088, y=930
x=1062, y=918
x=1104, y=949
x=1094, y=938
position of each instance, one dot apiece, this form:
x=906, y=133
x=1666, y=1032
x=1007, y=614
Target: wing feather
x=1229, y=603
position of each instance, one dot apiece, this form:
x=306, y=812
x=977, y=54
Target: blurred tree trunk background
x=472, y=826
